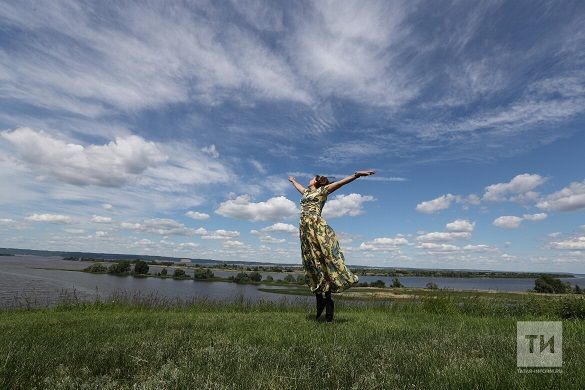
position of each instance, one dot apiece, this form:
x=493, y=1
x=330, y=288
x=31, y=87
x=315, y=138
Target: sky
x=170, y=128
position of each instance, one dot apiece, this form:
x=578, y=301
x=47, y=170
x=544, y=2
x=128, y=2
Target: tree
x=96, y=268
x=203, y=274
x=432, y=286
x=141, y=267
x=396, y=283
x=289, y=279
x=163, y=272
x=256, y=276
x=269, y=278
x=242, y=277
x=121, y=267
x=179, y=274
x=548, y=284
x=378, y=283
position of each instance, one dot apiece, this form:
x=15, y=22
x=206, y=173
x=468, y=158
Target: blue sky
x=170, y=129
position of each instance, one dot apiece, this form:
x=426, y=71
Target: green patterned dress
x=323, y=260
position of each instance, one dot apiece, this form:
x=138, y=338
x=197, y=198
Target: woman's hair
x=322, y=181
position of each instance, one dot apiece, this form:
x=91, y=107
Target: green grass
x=440, y=343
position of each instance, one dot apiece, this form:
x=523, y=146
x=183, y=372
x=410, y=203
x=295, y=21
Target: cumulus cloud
x=571, y=198
x=508, y=222
x=242, y=207
x=444, y=236
x=221, y=234
x=576, y=243
x=441, y=203
x=434, y=247
x=272, y=240
x=197, y=215
x=100, y=219
x=535, y=217
x=460, y=225
x=280, y=228
x=110, y=165
x=52, y=218
x=162, y=226
x=107, y=206
x=513, y=222
x=342, y=205
x=384, y=244
x=519, y=189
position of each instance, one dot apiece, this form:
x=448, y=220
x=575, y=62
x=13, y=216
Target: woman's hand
x=291, y=179
x=364, y=173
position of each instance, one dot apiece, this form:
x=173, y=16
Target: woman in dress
x=323, y=260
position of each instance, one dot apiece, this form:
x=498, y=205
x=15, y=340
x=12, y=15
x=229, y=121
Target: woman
x=323, y=260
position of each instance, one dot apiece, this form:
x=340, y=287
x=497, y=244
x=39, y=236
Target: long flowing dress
x=323, y=259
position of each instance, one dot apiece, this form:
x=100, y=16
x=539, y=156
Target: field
x=446, y=341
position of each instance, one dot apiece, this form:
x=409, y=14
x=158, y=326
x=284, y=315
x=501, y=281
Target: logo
x=539, y=344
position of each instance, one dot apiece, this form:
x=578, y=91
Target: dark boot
x=320, y=305
x=328, y=307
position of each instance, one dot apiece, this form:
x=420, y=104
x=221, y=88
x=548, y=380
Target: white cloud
x=242, y=207
x=441, y=203
x=508, y=222
x=571, y=198
x=147, y=63
x=519, y=189
x=221, y=234
x=460, y=225
x=258, y=166
x=444, y=236
x=272, y=240
x=210, y=151
x=433, y=247
x=281, y=228
x=110, y=165
x=107, y=206
x=74, y=231
x=162, y=226
x=576, y=243
x=383, y=244
x=100, y=219
x=341, y=205
x=346, y=49
x=197, y=215
x=101, y=233
x=535, y=217
x=513, y=222
x=53, y=218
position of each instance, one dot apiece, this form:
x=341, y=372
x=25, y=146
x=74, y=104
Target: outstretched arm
x=340, y=183
x=299, y=187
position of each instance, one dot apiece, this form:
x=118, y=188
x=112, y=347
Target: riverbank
x=432, y=343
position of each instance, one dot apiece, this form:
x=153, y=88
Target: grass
x=128, y=342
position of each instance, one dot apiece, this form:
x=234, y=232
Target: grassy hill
x=439, y=343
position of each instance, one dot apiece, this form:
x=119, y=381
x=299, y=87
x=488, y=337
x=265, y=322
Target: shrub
x=432, y=286
x=289, y=279
x=255, y=276
x=141, y=267
x=396, y=283
x=122, y=267
x=378, y=283
x=548, y=284
x=241, y=277
x=96, y=268
x=179, y=274
x=269, y=278
x=203, y=274
x=163, y=272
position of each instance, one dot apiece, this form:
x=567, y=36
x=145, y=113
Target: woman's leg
x=328, y=306
x=320, y=304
